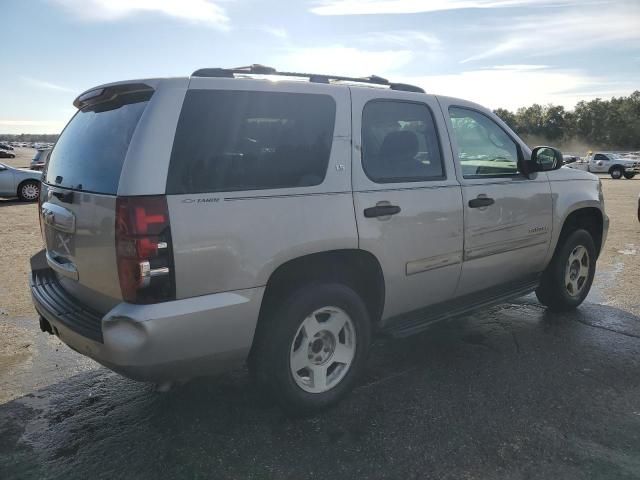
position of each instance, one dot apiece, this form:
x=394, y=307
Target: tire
x=561, y=288
x=616, y=173
x=321, y=328
x=629, y=175
x=29, y=191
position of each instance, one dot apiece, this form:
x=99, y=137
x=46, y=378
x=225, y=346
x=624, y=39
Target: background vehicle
x=40, y=159
x=614, y=164
x=283, y=223
x=19, y=182
x=6, y=154
x=566, y=159
x=5, y=146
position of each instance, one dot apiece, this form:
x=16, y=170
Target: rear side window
x=599, y=156
x=229, y=140
x=90, y=152
x=399, y=142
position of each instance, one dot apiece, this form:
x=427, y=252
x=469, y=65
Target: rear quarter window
x=228, y=140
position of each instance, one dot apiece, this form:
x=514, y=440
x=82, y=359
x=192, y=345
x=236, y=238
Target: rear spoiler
x=110, y=93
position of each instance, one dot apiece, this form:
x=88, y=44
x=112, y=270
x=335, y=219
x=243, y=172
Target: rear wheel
x=29, y=191
x=629, y=175
x=313, y=347
x=616, y=173
x=567, y=279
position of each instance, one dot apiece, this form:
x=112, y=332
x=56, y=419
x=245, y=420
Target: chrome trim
x=147, y=273
x=58, y=217
x=431, y=263
x=68, y=270
x=504, y=247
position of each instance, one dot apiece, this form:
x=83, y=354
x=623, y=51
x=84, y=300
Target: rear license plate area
x=59, y=244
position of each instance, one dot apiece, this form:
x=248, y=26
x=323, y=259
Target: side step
x=420, y=320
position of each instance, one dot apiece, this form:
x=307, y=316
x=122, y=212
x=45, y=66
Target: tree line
x=30, y=137
x=597, y=124
x=594, y=125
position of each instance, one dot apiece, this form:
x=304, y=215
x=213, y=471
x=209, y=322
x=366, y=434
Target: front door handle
x=381, y=211
x=480, y=202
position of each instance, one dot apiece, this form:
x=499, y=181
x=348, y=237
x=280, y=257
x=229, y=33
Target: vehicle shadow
x=8, y=202
x=514, y=389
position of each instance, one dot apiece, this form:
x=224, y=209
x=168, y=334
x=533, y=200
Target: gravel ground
x=512, y=392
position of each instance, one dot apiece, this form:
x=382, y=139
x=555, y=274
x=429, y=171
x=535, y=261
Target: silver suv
x=195, y=224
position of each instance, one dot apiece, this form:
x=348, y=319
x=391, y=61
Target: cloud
x=204, y=12
x=343, y=60
x=378, y=7
x=400, y=38
x=277, y=32
x=46, y=85
x=567, y=31
x=513, y=86
x=31, y=126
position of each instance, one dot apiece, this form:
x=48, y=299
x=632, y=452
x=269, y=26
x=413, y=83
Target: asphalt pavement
x=514, y=392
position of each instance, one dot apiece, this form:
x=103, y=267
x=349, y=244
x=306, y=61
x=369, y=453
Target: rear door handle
x=480, y=202
x=381, y=211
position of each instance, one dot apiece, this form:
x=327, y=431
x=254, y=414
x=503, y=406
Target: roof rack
x=257, y=69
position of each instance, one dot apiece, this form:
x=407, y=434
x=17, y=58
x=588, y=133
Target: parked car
x=284, y=223
x=5, y=146
x=40, y=159
x=566, y=159
x=19, y=182
x=614, y=164
x=7, y=154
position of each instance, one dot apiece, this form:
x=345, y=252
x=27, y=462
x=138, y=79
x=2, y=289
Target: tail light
x=143, y=249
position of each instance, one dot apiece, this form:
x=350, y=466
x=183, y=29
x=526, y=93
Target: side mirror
x=543, y=159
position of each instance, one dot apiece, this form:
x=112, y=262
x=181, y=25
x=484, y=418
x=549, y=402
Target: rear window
x=241, y=140
x=91, y=150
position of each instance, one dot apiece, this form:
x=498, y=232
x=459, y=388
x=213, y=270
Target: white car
x=19, y=182
x=614, y=164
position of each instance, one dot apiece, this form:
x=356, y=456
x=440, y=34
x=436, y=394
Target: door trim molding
x=431, y=263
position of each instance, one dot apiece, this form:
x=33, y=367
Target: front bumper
x=605, y=231
x=166, y=341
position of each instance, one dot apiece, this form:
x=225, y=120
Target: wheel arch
x=588, y=217
x=356, y=268
x=616, y=166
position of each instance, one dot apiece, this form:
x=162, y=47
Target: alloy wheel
x=322, y=350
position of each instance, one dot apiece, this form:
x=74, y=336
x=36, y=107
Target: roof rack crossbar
x=257, y=69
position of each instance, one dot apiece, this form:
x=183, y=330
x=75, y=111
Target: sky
x=499, y=53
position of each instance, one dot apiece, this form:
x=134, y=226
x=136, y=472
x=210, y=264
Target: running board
x=420, y=320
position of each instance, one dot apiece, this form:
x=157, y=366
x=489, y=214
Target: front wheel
x=29, y=191
x=629, y=175
x=616, y=173
x=313, y=347
x=567, y=279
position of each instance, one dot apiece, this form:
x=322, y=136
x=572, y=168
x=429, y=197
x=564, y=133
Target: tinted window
x=91, y=150
x=399, y=143
x=484, y=148
x=599, y=156
x=237, y=140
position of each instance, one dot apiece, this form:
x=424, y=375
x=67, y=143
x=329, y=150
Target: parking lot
x=512, y=392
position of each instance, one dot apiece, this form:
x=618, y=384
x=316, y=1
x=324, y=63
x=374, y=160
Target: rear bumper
x=165, y=341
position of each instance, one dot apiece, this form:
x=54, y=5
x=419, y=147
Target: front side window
x=228, y=140
x=599, y=156
x=484, y=149
x=399, y=142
